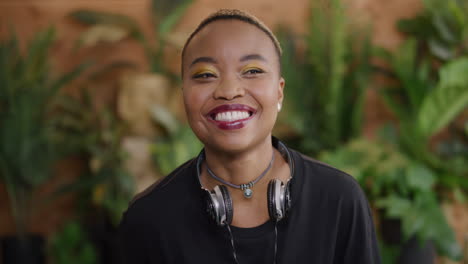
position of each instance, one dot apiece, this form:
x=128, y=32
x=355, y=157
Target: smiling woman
x=247, y=198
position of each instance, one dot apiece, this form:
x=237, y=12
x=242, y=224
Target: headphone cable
x=232, y=244
x=234, y=248
x=276, y=241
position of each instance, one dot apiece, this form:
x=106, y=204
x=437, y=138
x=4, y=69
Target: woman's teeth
x=231, y=116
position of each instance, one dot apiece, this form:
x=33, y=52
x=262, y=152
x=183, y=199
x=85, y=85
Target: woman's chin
x=234, y=144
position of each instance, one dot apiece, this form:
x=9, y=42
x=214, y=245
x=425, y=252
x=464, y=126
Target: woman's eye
x=204, y=75
x=253, y=71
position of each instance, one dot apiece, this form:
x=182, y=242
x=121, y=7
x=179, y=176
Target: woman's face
x=232, y=85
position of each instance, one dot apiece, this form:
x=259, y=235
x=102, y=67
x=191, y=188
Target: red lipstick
x=230, y=125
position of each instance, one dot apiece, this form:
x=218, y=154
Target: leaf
x=92, y=17
x=436, y=227
x=454, y=73
x=395, y=206
x=444, y=30
x=398, y=109
x=450, y=97
x=459, y=195
x=172, y=18
x=164, y=118
x=67, y=78
x=420, y=177
x=440, y=49
x=172, y=151
x=162, y=8
x=106, y=33
x=327, y=49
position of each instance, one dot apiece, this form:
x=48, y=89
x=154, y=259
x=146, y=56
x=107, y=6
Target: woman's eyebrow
x=252, y=57
x=203, y=59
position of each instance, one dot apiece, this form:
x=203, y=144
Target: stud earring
x=279, y=107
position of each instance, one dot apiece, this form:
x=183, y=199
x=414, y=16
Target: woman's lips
x=231, y=116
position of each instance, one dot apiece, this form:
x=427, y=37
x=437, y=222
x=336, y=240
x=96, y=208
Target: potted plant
x=326, y=72
x=27, y=149
x=428, y=92
x=410, y=221
x=105, y=187
x=137, y=90
x=429, y=86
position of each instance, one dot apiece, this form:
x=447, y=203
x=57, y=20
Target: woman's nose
x=229, y=89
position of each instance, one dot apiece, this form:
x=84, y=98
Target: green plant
x=28, y=89
x=401, y=187
x=325, y=84
x=165, y=15
x=96, y=135
x=71, y=245
x=442, y=27
x=114, y=26
x=430, y=88
x=427, y=92
x=178, y=145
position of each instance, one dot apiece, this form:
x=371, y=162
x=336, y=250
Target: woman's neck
x=241, y=167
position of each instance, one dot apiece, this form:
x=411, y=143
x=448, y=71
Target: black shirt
x=329, y=222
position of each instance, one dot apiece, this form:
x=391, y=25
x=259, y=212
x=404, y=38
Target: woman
x=246, y=198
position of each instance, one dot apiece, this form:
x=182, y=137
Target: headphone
x=219, y=203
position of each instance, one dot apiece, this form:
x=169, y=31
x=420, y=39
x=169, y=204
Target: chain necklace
x=247, y=187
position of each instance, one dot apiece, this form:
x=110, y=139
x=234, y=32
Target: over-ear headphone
x=219, y=203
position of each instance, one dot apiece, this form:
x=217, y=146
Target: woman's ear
x=281, y=84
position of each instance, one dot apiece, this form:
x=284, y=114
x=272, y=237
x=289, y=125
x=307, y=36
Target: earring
x=279, y=107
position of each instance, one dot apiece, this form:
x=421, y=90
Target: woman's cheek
x=266, y=92
x=194, y=99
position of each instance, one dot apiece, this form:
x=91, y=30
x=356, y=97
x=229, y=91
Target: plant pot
x=29, y=250
x=105, y=239
x=391, y=231
x=413, y=252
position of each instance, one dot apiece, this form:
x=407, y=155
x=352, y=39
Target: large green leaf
x=395, y=206
x=163, y=8
x=419, y=177
x=93, y=17
x=450, y=97
x=172, y=18
x=169, y=152
x=454, y=73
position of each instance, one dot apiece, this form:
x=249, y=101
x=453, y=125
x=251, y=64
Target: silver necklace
x=247, y=187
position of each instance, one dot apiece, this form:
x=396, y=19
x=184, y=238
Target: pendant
x=248, y=193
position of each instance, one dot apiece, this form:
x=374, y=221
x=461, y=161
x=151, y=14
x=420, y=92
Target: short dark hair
x=228, y=14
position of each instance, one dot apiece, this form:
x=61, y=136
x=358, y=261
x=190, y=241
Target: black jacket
x=329, y=223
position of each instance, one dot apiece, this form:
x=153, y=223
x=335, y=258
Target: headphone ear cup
x=271, y=200
x=210, y=205
x=219, y=205
x=227, y=201
x=279, y=200
x=287, y=197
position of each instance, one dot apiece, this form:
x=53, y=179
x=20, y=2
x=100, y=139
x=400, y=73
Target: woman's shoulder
x=325, y=177
x=163, y=188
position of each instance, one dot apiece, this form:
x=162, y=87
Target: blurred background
x=91, y=114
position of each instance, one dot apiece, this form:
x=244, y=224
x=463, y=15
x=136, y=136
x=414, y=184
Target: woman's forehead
x=230, y=39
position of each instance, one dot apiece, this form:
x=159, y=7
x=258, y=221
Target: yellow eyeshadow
x=250, y=67
x=202, y=70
